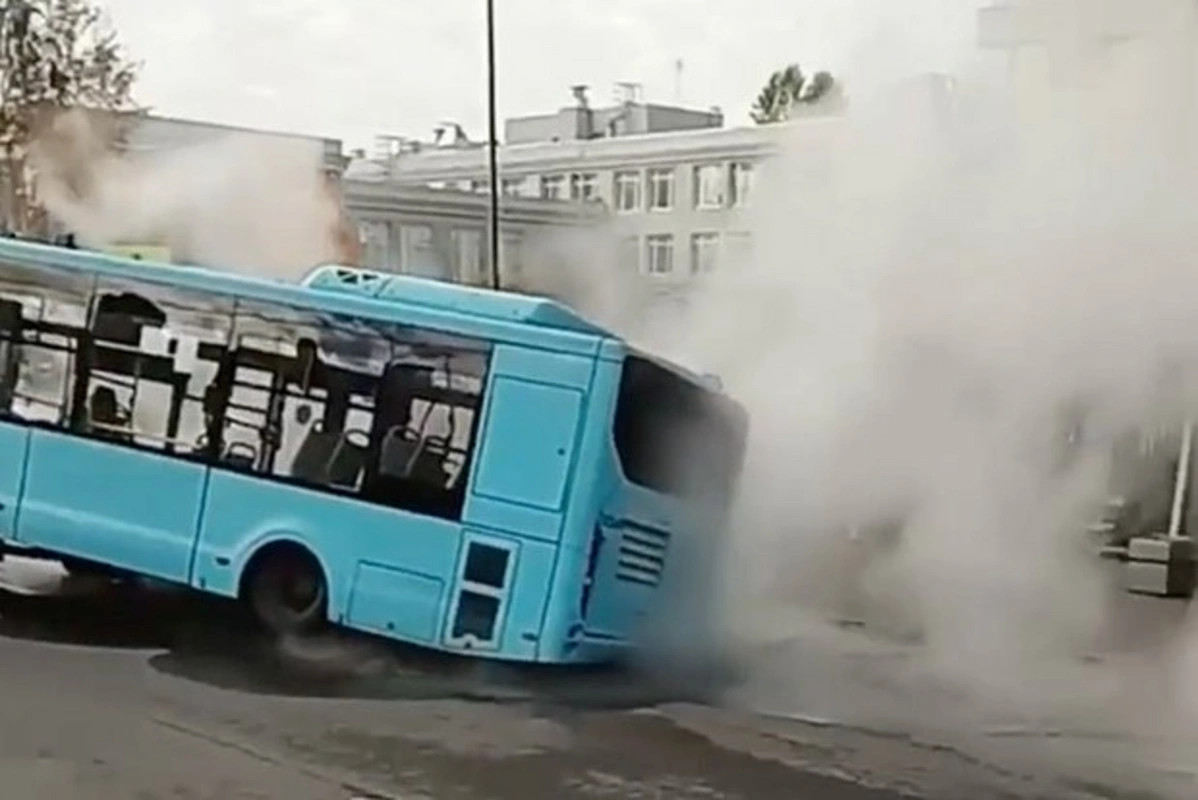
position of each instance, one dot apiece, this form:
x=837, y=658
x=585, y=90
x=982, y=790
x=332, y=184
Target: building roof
x=152, y=132
x=388, y=197
x=608, y=152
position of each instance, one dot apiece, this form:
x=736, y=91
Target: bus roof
x=708, y=381
x=498, y=305
x=403, y=299
x=382, y=296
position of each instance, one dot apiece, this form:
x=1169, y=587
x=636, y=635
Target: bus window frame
x=402, y=341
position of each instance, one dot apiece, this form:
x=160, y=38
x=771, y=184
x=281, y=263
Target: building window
x=704, y=252
x=584, y=186
x=417, y=255
x=468, y=255
x=709, y=186
x=740, y=184
x=661, y=189
x=375, y=238
x=553, y=187
x=522, y=186
x=627, y=190
x=659, y=254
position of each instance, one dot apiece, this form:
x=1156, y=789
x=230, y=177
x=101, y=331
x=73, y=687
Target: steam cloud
x=245, y=202
x=940, y=290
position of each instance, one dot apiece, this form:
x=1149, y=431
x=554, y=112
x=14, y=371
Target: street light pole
x=493, y=147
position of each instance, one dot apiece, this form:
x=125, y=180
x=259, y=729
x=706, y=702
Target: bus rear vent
x=642, y=555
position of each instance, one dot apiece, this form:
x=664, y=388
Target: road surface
x=150, y=696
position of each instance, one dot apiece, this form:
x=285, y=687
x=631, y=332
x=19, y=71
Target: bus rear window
x=676, y=437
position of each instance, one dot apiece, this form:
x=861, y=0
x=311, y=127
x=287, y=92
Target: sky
x=356, y=68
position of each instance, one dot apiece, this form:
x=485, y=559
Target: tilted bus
x=473, y=471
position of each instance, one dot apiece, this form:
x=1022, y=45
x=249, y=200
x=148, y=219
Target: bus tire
x=286, y=590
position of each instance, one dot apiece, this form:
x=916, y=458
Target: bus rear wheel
x=286, y=591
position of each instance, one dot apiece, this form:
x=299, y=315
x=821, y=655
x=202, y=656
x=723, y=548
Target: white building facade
x=443, y=233
x=675, y=184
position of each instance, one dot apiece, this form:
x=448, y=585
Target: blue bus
x=473, y=471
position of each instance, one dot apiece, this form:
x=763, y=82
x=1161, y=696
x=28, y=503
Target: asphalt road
x=137, y=695
x=122, y=695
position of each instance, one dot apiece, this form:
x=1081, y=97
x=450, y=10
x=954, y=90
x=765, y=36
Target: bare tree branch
x=54, y=55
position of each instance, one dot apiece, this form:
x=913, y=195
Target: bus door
x=118, y=487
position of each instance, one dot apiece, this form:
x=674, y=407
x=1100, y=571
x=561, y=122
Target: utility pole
x=493, y=147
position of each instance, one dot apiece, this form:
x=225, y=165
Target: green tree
x=790, y=87
x=54, y=55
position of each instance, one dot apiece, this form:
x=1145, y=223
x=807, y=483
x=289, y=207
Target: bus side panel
x=562, y=629
x=386, y=569
x=533, y=405
x=499, y=595
x=14, y=450
x=531, y=425
x=521, y=488
x=526, y=602
x=115, y=505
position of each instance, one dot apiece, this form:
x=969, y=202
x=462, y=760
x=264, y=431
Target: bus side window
x=147, y=365
x=299, y=404
x=423, y=438
x=42, y=318
x=384, y=412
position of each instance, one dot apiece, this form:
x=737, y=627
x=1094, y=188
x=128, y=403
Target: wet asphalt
x=144, y=695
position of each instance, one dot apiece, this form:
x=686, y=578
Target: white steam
x=245, y=202
x=938, y=292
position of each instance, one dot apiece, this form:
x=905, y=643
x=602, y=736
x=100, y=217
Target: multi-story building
x=442, y=233
x=676, y=183
x=437, y=233
x=152, y=133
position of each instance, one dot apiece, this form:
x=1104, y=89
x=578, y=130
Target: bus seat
x=396, y=452
x=312, y=459
x=104, y=410
x=431, y=466
x=240, y=455
x=239, y=460
x=346, y=464
x=429, y=469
